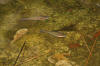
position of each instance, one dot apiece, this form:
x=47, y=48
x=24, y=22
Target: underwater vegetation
x=49, y=32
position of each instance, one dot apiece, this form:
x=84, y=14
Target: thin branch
x=19, y=54
x=29, y=59
x=92, y=48
x=83, y=38
x=86, y=44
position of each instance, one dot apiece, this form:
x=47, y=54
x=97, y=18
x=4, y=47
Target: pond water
x=55, y=33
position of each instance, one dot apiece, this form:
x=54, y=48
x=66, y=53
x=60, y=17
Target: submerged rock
x=63, y=63
x=19, y=34
x=51, y=60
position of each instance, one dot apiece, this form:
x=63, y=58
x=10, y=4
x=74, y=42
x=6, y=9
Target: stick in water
x=90, y=54
x=19, y=54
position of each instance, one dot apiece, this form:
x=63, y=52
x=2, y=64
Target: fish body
x=71, y=27
x=19, y=34
x=57, y=34
x=36, y=18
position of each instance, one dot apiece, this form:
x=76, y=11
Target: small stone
x=63, y=63
x=19, y=34
x=51, y=60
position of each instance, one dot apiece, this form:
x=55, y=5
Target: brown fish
x=19, y=34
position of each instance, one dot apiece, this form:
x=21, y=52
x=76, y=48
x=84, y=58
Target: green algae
x=61, y=13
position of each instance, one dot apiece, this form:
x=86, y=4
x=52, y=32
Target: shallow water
x=40, y=46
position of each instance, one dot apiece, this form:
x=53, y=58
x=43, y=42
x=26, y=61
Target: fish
x=54, y=33
x=68, y=28
x=19, y=34
x=36, y=18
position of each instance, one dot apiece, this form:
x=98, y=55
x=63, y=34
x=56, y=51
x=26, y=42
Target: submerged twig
x=90, y=54
x=86, y=44
x=19, y=54
x=29, y=59
x=83, y=38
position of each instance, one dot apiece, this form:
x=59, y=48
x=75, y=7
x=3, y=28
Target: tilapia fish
x=19, y=34
x=36, y=18
x=54, y=33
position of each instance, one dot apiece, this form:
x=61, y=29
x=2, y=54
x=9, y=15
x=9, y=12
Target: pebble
x=63, y=63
